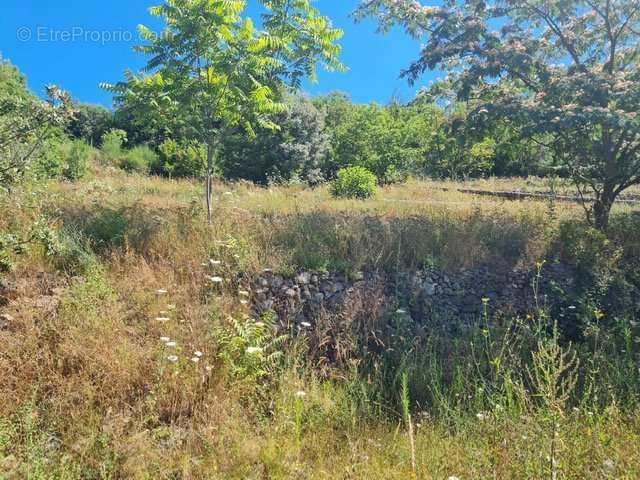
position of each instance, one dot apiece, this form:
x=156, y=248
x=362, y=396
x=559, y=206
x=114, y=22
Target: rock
x=303, y=278
x=429, y=288
x=291, y=293
x=277, y=281
x=5, y=321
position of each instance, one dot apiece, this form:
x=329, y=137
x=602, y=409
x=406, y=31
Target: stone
x=429, y=288
x=5, y=321
x=291, y=293
x=303, y=278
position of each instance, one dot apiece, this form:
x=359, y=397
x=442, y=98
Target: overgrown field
x=121, y=358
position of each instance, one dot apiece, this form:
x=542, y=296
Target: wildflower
x=609, y=464
x=208, y=368
x=252, y=350
x=195, y=359
x=162, y=319
x=259, y=324
x=481, y=416
x=217, y=280
x=572, y=307
x=453, y=477
x=400, y=311
x=172, y=358
x=215, y=263
x=301, y=394
x=161, y=291
x=171, y=344
x=243, y=293
x=165, y=339
x=306, y=324
x=485, y=300
x=198, y=353
x=243, y=302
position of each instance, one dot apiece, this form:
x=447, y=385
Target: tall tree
x=212, y=71
x=566, y=70
x=25, y=123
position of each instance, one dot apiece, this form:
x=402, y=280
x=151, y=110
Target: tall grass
x=121, y=360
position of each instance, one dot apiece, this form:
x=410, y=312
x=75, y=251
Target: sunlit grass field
x=119, y=361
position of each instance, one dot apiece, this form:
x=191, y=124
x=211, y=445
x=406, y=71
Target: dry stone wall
x=429, y=294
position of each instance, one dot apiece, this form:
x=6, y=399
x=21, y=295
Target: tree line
x=532, y=88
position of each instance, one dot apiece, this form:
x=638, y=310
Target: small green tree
x=354, y=182
x=212, y=71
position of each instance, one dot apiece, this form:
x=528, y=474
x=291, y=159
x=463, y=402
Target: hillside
x=132, y=345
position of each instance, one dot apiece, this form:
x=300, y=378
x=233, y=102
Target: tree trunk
x=209, y=180
x=602, y=208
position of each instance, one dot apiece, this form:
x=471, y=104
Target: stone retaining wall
x=428, y=295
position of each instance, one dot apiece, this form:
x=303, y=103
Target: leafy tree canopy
x=566, y=69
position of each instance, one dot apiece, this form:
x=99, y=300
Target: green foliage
x=251, y=350
x=296, y=149
x=354, y=182
x=77, y=156
x=565, y=72
x=389, y=141
x=212, y=71
x=28, y=126
x=139, y=159
x=13, y=245
x=181, y=159
x=90, y=123
x=112, y=143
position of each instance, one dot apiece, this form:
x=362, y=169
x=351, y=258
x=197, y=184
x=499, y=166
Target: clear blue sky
x=79, y=43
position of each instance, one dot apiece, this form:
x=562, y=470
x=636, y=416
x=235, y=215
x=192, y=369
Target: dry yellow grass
x=87, y=389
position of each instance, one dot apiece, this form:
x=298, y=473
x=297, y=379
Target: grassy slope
x=88, y=393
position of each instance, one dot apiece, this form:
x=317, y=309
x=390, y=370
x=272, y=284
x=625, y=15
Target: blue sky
x=79, y=43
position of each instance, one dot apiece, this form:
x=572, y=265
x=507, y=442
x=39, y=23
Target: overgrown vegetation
x=137, y=340
x=184, y=380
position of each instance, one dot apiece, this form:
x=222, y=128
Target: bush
x=181, y=159
x=112, y=143
x=77, y=160
x=138, y=159
x=354, y=182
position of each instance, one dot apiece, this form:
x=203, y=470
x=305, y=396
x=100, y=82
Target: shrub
x=180, y=159
x=112, y=143
x=77, y=160
x=354, y=182
x=138, y=159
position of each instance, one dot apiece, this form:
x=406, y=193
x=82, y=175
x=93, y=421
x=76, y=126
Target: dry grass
x=88, y=391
